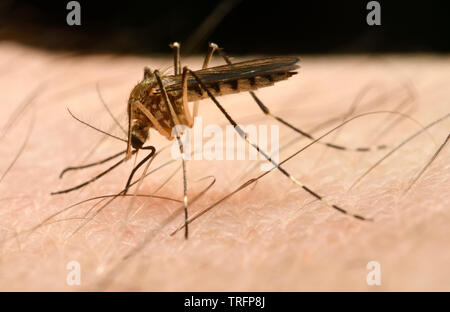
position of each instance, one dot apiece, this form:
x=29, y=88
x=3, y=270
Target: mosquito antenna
x=96, y=129
x=107, y=108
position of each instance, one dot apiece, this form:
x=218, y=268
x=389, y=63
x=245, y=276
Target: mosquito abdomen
x=220, y=88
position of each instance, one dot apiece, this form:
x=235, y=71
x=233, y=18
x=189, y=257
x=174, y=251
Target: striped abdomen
x=235, y=86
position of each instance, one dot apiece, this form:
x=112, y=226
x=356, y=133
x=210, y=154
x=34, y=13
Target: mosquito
x=161, y=103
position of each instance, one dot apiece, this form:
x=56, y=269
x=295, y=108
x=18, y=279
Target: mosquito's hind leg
x=267, y=112
x=93, y=164
x=245, y=137
x=143, y=161
x=175, y=121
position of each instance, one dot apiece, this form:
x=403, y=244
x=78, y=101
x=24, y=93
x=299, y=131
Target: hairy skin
x=272, y=236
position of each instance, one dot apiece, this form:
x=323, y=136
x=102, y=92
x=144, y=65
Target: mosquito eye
x=136, y=142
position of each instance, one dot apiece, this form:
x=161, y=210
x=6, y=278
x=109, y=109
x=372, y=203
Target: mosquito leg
x=175, y=121
x=91, y=180
x=184, y=99
x=212, y=48
x=176, y=57
x=255, y=179
x=267, y=112
x=143, y=161
x=151, y=117
x=98, y=162
x=95, y=128
x=91, y=164
x=108, y=110
x=244, y=136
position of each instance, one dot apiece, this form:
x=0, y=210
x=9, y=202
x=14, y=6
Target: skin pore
x=271, y=236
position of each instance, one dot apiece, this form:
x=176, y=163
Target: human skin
x=272, y=236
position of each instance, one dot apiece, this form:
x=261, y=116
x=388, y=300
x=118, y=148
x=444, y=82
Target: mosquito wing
x=238, y=77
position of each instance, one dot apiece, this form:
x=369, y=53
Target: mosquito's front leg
x=176, y=122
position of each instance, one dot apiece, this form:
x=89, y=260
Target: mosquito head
x=139, y=133
x=139, y=123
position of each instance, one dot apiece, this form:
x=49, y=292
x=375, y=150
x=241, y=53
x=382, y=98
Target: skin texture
x=272, y=236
